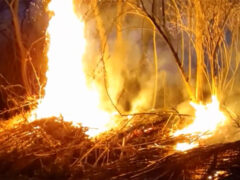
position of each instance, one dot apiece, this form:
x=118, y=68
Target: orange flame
x=207, y=118
x=185, y=146
x=66, y=92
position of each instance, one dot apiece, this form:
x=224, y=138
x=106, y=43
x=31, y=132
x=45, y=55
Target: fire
x=207, y=118
x=185, y=146
x=66, y=92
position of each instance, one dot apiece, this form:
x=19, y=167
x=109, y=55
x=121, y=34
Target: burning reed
x=52, y=148
x=138, y=139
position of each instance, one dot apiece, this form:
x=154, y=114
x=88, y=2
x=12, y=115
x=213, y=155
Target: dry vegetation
x=200, y=37
x=23, y=50
x=51, y=148
x=203, y=39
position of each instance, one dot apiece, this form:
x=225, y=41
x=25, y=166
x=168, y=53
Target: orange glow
x=66, y=92
x=185, y=146
x=207, y=118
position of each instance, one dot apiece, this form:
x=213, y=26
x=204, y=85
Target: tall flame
x=66, y=92
x=207, y=118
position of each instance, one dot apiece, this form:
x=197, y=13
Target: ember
x=185, y=146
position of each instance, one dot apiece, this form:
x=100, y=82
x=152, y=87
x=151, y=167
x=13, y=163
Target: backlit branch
x=170, y=45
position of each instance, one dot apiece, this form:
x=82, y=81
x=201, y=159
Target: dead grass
x=51, y=148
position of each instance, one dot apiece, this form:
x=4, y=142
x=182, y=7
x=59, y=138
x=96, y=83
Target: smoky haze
x=120, y=56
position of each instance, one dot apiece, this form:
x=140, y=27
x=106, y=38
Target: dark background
x=12, y=90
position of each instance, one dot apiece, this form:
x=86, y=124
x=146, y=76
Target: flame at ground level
x=185, y=146
x=207, y=119
x=66, y=92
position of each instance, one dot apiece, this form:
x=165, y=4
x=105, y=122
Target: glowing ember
x=207, y=118
x=66, y=92
x=185, y=146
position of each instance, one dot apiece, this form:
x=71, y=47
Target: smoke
x=129, y=64
x=130, y=71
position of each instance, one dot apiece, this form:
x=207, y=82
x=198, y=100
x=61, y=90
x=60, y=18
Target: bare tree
x=14, y=8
